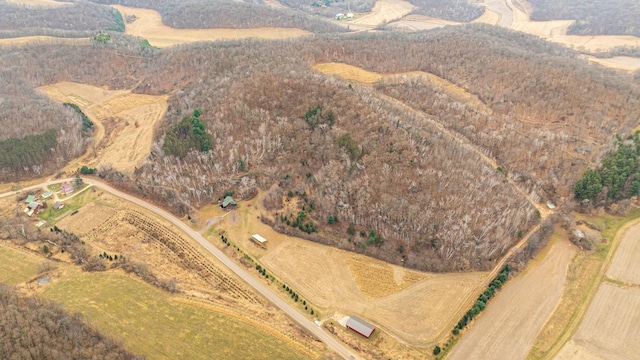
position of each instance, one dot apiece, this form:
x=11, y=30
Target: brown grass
x=149, y=26
x=519, y=311
x=124, y=122
x=16, y=266
x=420, y=22
x=488, y=17
x=596, y=43
x=378, y=279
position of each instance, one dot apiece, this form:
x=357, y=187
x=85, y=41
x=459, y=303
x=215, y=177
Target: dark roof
x=360, y=326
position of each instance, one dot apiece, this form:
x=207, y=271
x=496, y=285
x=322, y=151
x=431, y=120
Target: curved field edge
x=586, y=272
x=154, y=323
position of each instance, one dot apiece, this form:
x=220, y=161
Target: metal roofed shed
x=360, y=326
x=228, y=202
x=258, y=239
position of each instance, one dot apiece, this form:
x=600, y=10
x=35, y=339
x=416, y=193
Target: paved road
x=331, y=342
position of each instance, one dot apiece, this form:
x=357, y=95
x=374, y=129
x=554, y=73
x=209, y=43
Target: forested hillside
x=34, y=328
x=194, y=14
x=80, y=19
x=395, y=170
x=454, y=10
x=594, y=17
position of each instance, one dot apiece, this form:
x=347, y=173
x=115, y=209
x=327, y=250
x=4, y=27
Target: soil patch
x=148, y=24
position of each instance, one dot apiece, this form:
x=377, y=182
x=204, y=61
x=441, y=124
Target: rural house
x=66, y=189
x=30, y=199
x=360, y=326
x=58, y=205
x=47, y=195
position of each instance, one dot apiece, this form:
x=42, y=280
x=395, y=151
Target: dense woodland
x=35, y=328
x=454, y=10
x=594, y=17
x=80, y=20
x=372, y=168
x=192, y=14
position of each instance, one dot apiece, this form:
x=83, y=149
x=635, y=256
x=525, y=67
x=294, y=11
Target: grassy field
x=16, y=266
x=154, y=323
x=583, y=278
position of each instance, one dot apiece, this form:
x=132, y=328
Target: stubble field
x=148, y=24
x=124, y=122
x=512, y=320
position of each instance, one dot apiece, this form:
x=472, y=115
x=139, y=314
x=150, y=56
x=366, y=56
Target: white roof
x=360, y=326
x=258, y=238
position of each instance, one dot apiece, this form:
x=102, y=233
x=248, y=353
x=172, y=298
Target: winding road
x=306, y=323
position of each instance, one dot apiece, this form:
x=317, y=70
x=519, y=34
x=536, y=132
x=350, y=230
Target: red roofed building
x=360, y=326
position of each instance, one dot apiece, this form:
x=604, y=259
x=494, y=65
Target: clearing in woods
x=510, y=323
x=16, y=266
x=159, y=325
x=341, y=282
x=148, y=24
x=383, y=12
x=626, y=63
x=354, y=73
x=124, y=123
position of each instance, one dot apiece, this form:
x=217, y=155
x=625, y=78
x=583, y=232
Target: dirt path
x=148, y=24
x=509, y=325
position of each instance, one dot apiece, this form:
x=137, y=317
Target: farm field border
x=585, y=275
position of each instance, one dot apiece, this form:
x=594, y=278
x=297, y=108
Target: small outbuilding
x=258, y=239
x=228, y=203
x=47, y=195
x=30, y=199
x=360, y=326
x=58, y=205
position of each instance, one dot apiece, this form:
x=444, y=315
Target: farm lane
x=331, y=342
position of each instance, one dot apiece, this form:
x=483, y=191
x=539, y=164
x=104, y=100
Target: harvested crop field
x=20, y=41
x=383, y=12
x=154, y=323
x=124, y=121
x=148, y=24
x=347, y=283
x=625, y=265
x=509, y=325
x=610, y=328
x=596, y=43
x=625, y=63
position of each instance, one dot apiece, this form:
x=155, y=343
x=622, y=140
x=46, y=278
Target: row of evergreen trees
x=27, y=151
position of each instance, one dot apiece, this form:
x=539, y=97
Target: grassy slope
x=16, y=266
x=152, y=323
